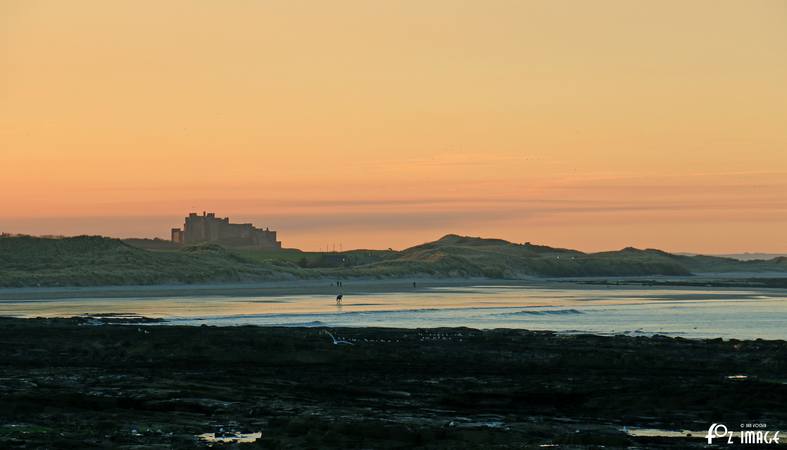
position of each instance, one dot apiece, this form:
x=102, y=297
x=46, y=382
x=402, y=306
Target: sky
x=364, y=124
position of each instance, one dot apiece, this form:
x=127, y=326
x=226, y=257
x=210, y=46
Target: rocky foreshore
x=109, y=383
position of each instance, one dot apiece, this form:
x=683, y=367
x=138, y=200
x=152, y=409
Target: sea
x=699, y=313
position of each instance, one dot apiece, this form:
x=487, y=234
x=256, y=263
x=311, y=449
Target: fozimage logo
x=750, y=433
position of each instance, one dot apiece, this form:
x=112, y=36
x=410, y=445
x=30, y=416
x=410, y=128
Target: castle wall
x=177, y=235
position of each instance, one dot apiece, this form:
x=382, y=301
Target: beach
x=443, y=364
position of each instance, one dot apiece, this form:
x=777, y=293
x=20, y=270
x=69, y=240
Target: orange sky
x=592, y=125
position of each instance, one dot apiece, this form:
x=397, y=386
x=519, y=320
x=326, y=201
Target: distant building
x=209, y=228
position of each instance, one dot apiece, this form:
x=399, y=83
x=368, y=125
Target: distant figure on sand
x=413, y=283
x=339, y=299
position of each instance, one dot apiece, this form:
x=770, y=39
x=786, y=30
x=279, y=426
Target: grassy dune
x=96, y=261
x=468, y=256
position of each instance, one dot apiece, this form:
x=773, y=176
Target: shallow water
x=658, y=432
x=231, y=437
x=693, y=313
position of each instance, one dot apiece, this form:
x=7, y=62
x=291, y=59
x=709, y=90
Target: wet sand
x=69, y=383
x=273, y=288
x=324, y=286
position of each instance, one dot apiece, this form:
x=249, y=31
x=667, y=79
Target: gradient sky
x=585, y=124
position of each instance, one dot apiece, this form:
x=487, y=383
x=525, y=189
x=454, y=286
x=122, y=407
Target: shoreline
x=566, y=307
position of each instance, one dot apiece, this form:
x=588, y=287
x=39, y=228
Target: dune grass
x=97, y=261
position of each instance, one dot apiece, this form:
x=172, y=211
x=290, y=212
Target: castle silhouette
x=209, y=228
